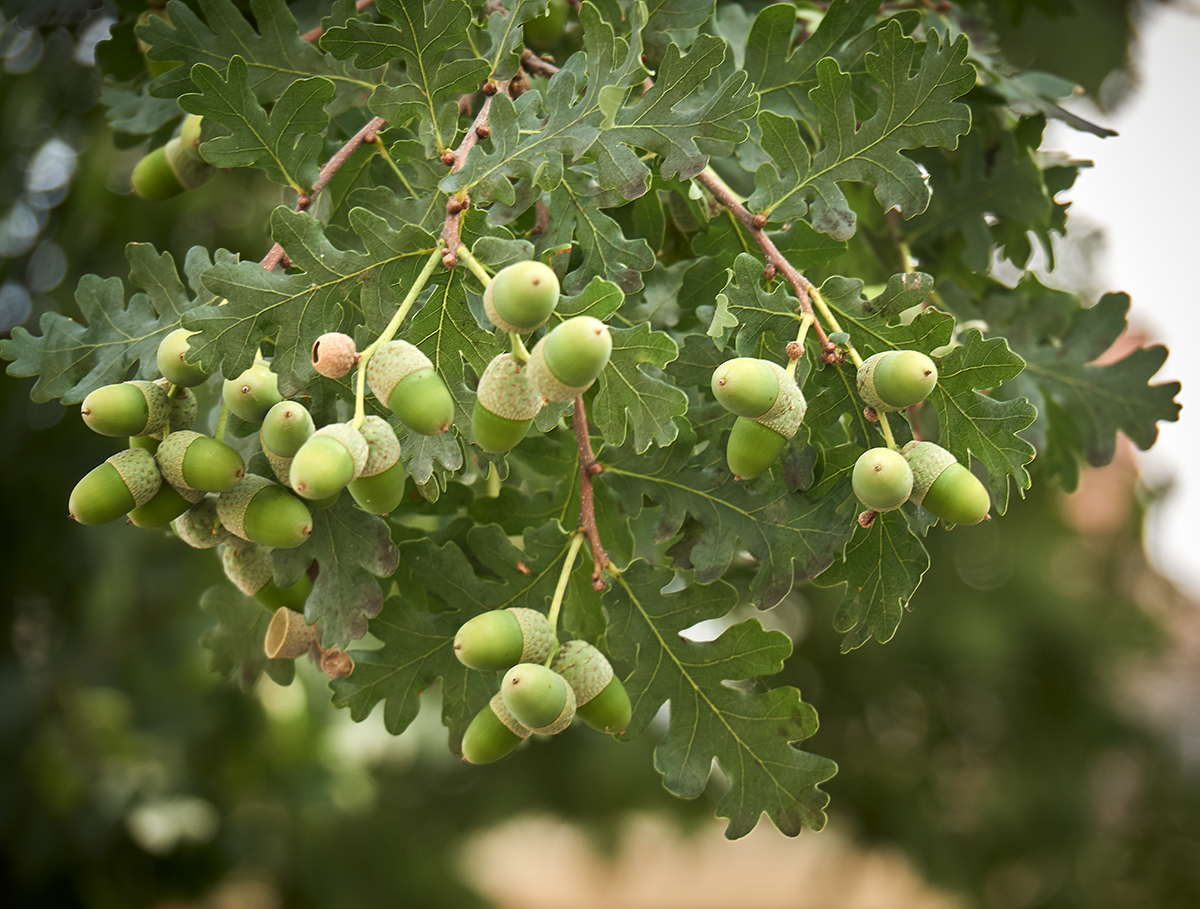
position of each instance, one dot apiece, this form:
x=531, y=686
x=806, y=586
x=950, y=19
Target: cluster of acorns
x=538, y=694
x=770, y=407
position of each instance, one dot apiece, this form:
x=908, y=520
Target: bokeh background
x=1030, y=738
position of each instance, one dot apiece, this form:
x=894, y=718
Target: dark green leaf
x=630, y=395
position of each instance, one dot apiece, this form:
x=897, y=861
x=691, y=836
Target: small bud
x=483, y=131
x=448, y=158
x=759, y=222
x=490, y=88
x=454, y=206
x=769, y=273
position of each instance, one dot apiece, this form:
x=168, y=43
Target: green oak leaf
x=765, y=320
x=749, y=732
x=71, y=360
x=136, y=112
x=235, y=643
x=351, y=549
x=286, y=143
x=881, y=568
x=504, y=28
x=276, y=55
x=672, y=18
x=914, y=111
x=630, y=396
x=790, y=535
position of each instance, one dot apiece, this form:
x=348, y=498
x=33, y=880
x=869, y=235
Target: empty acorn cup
x=288, y=635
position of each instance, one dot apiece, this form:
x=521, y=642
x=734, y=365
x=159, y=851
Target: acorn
x=943, y=486
x=167, y=171
x=261, y=512
x=538, y=697
x=201, y=528
x=493, y=734
x=327, y=462
x=882, y=479
x=565, y=363
x=253, y=393
x=521, y=297
x=127, y=409
x=380, y=487
x=494, y=641
x=147, y=442
x=505, y=407
x=127, y=480
x=402, y=377
x=189, y=460
x=770, y=408
x=251, y=570
x=601, y=700
x=165, y=506
x=896, y=379
x=746, y=386
x=285, y=428
x=752, y=448
x=189, y=135
x=334, y=354
x=171, y=363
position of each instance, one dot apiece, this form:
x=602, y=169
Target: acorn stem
x=360, y=407
x=563, y=577
x=493, y=481
x=477, y=268
x=519, y=352
x=806, y=321
x=222, y=422
x=886, y=428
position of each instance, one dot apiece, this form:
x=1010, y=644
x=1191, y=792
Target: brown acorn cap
x=536, y=634
x=502, y=714
x=249, y=567
x=232, y=505
x=334, y=354
x=353, y=441
x=288, y=636
x=383, y=448
x=585, y=668
x=391, y=363
x=140, y=476
x=504, y=390
x=789, y=408
x=563, y=720
x=927, y=461
x=544, y=382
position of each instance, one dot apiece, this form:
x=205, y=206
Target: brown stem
x=588, y=468
x=332, y=166
x=450, y=232
x=755, y=224
x=532, y=63
x=313, y=34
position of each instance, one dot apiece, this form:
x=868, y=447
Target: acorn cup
x=261, y=512
x=170, y=358
x=493, y=733
x=134, y=408
x=327, y=462
x=380, y=487
x=334, y=354
x=943, y=486
x=288, y=636
x=402, y=377
x=505, y=407
x=201, y=528
x=127, y=480
x=168, y=171
x=191, y=461
x=601, y=700
x=253, y=393
x=565, y=363
x=494, y=641
x=538, y=697
x=521, y=297
x=769, y=407
x=896, y=379
x=250, y=569
x=182, y=411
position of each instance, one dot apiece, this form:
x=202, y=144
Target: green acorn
x=189, y=135
x=189, y=460
x=495, y=640
x=943, y=486
x=521, y=297
x=403, y=378
x=493, y=734
x=167, y=171
x=253, y=393
x=882, y=479
x=147, y=442
x=326, y=463
x=261, y=512
x=600, y=698
x=752, y=448
x=538, y=697
x=896, y=379
x=505, y=407
x=200, y=526
x=165, y=506
x=746, y=386
x=381, y=486
x=127, y=480
x=285, y=428
x=565, y=363
x=170, y=358
x=334, y=354
x=127, y=409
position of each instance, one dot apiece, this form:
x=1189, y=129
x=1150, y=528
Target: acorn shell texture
x=505, y=391
x=390, y=364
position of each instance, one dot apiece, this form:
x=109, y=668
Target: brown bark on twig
x=588, y=468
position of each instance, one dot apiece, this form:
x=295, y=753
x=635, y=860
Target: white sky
x=1145, y=192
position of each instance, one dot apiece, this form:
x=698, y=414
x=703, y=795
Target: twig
x=588, y=468
x=313, y=34
x=332, y=166
x=455, y=160
x=532, y=63
x=755, y=224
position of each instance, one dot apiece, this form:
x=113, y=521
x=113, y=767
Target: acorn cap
x=232, y=505
x=391, y=363
x=139, y=473
x=190, y=169
x=789, y=408
x=334, y=354
x=383, y=448
x=181, y=409
x=504, y=390
x=200, y=527
x=281, y=467
x=510, y=721
x=544, y=382
x=121, y=484
x=585, y=668
x=927, y=461
x=351, y=438
x=191, y=460
x=288, y=636
x=249, y=567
